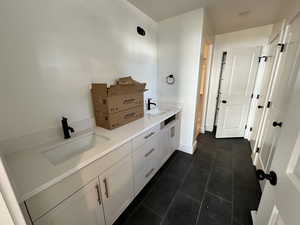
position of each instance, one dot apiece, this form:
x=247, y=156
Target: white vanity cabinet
x=105, y=197
x=117, y=189
x=81, y=208
x=98, y=193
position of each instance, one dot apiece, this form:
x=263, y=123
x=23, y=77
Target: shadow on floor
x=215, y=186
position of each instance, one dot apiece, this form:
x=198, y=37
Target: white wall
x=179, y=44
x=52, y=50
x=257, y=36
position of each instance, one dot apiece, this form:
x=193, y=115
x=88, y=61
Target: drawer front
x=142, y=177
x=51, y=197
x=144, y=153
x=144, y=137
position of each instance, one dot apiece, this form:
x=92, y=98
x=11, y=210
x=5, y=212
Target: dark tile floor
x=215, y=186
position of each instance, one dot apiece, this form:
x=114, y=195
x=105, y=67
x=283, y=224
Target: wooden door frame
x=201, y=107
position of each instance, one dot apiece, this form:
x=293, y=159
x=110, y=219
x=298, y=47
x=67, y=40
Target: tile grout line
x=205, y=189
x=177, y=191
x=232, y=204
x=219, y=197
x=141, y=203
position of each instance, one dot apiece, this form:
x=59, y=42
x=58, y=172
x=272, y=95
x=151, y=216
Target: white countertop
x=32, y=172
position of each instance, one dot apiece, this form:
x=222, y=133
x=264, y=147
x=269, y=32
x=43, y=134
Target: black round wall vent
x=141, y=31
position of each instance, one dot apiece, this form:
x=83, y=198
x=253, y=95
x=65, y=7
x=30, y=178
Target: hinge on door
x=262, y=57
x=245, y=126
x=252, y=95
x=251, y=129
x=269, y=104
x=259, y=59
x=282, y=46
x=257, y=150
x=257, y=96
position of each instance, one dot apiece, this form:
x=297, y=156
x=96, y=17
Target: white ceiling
x=223, y=14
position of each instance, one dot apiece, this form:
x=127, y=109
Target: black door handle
x=277, y=124
x=260, y=107
x=271, y=177
x=224, y=101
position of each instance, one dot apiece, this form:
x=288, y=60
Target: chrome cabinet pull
x=149, y=153
x=149, y=173
x=98, y=193
x=149, y=135
x=106, y=187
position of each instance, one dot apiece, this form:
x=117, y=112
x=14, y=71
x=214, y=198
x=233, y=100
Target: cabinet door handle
x=149, y=153
x=149, y=135
x=149, y=173
x=106, y=187
x=98, y=193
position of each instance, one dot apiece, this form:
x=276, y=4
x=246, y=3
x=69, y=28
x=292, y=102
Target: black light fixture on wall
x=141, y=31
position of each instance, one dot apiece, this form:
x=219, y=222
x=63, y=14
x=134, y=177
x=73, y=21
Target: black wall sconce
x=141, y=31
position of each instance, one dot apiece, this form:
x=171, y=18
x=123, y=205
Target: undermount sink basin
x=156, y=112
x=65, y=151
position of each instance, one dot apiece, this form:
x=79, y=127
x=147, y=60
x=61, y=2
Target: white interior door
x=280, y=203
x=283, y=81
x=272, y=58
x=236, y=89
x=262, y=93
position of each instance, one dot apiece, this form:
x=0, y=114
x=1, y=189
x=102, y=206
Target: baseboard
x=253, y=216
x=202, y=130
x=209, y=128
x=188, y=149
x=194, y=146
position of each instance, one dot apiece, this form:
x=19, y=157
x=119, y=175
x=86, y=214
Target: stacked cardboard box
x=118, y=104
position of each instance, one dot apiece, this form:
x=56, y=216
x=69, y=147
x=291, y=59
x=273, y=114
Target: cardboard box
x=117, y=103
x=114, y=120
x=124, y=96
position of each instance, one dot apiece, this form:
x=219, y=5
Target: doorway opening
x=203, y=89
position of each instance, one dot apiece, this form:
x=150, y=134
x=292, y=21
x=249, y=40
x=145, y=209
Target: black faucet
x=66, y=128
x=149, y=103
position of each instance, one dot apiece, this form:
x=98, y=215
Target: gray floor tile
x=195, y=183
x=215, y=211
x=162, y=194
x=179, y=165
x=224, y=159
x=183, y=211
x=143, y=216
x=220, y=183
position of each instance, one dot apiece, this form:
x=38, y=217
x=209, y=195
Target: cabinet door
x=164, y=145
x=174, y=136
x=83, y=207
x=117, y=189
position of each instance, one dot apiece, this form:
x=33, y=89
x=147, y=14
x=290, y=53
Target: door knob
x=260, y=106
x=271, y=177
x=277, y=124
x=224, y=101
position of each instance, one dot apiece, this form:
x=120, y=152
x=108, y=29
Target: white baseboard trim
x=253, y=216
x=188, y=149
x=194, y=146
x=209, y=128
x=202, y=130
